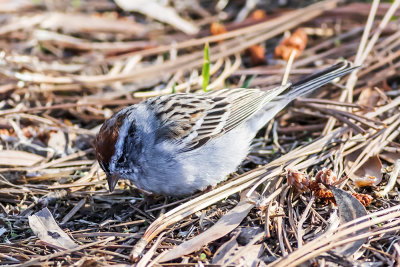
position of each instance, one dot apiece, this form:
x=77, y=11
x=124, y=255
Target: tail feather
x=278, y=98
x=319, y=79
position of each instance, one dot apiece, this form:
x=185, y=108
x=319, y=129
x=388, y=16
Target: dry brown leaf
x=368, y=173
x=46, y=229
x=369, y=97
x=18, y=158
x=349, y=209
x=228, y=250
x=251, y=257
x=226, y=224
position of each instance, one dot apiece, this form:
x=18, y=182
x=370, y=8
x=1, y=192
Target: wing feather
x=192, y=120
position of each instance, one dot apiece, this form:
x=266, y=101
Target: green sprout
x=173, y=91
x=246, y=83
x=206, y=68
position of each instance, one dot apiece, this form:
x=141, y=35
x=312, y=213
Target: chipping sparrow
x=179, y=143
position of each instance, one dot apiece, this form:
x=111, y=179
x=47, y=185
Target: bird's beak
x=112, y=181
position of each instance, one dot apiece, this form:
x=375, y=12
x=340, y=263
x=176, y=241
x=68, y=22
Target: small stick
x=361, y=50
x=288, y=67
x=74, y=211
x=302, y=220
x=37, y=260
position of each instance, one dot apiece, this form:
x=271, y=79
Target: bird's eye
x=121, y=160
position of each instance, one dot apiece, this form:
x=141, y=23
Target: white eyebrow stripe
x=119, y=145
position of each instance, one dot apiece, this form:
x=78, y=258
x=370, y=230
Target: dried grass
x=60, y=81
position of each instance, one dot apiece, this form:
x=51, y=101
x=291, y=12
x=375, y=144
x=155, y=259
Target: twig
x=361, y=50
x=302, y=220
x=288, y=67
x=39, y=259
x=392, y=180
x=75, y=209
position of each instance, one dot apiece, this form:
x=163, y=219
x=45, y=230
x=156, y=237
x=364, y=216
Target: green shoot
x=206, y=68
x=248, y=81
x=173, y=88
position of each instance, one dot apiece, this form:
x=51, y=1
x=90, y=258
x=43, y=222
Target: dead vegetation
x=66, y=67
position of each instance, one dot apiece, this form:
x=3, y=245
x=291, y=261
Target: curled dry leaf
x=368, y=174
x=241, y=238
x=369, y=97
x=365, y=181
x=226, y=224
x=349, y=209
x=46, y=229
x=250, y=258
x=296, y=42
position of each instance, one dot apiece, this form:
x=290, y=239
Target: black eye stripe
x=104, y=166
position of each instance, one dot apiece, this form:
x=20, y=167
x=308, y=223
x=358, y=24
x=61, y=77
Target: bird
x=178, y=144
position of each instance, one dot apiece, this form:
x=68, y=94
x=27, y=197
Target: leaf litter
x=66, y=67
